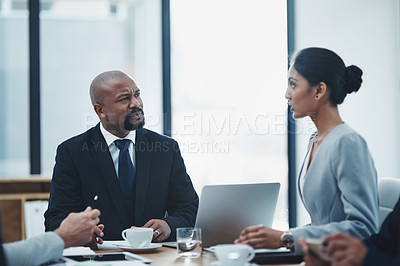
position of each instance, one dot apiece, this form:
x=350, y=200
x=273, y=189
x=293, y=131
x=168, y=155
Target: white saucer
x=151, y=247
x=217, y=263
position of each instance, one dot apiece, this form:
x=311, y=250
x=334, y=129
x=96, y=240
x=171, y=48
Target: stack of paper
x=111, y=245
x=78, y=251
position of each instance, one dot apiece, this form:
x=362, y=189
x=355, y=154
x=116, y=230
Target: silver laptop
x=225, y=210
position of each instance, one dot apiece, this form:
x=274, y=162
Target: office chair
x=389, y=192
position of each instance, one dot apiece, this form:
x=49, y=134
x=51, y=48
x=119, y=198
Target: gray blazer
x=34, y=251
x=340, y=187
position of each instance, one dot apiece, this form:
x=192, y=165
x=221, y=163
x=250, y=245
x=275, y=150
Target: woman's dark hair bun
x=322, y=65
x=352, y=80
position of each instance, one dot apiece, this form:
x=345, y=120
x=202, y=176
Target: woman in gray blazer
x=337, y=181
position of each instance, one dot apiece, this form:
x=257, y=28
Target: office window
x=229, y=76
x=14, y=154
x=79, y=40
x=18, y=4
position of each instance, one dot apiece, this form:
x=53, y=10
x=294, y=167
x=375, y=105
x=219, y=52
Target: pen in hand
x=98, y=239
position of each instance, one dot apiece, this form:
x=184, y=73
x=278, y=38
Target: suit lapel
x=143, y=163
x=105, y=164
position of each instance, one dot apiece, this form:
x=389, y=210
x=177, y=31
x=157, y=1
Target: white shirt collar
x=110, y=138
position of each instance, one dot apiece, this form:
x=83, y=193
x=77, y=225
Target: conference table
x=166, y=256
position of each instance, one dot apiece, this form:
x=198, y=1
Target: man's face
x=121, y=109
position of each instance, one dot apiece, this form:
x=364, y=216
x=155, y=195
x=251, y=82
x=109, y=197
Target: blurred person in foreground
x=343, y=250
x=76, y=230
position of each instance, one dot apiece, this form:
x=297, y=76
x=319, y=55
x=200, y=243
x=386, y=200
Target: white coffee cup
x=138, y=237
x=234, y=254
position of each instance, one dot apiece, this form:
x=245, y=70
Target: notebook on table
x=278, y=256
x=225, y=210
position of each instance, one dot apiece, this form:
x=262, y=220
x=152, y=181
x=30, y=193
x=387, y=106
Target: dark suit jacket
x=2, y=257
x=84, y=170
x=384, y=247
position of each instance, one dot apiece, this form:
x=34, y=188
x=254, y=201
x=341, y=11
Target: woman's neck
x=326, y=120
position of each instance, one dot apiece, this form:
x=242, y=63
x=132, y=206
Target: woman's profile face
x=301, y=97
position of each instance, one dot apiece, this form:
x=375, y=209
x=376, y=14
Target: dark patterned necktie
x=126, y=171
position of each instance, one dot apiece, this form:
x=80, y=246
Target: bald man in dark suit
x=87, y=168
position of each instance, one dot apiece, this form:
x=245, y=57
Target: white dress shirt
x=110, y=138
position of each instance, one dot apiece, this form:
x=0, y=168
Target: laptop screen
x=225, y=210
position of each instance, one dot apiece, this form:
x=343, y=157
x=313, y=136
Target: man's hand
x=161, y=229
x=79, y=228
x=96, y=239
x=345, y=250
x=260, y=237
x=309, y=258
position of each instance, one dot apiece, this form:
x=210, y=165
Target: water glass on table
x=188, y=242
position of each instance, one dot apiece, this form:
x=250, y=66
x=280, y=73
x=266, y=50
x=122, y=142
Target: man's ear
x=320, y=90
x=99, y=110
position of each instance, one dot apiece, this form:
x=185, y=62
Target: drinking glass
x=188, y=242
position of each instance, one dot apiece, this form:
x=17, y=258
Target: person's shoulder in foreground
x=344, y=250
x=76, y=230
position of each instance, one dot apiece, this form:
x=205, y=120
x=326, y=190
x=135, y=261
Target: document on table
x=70, y=253
x=78, y=251
x=111, y=245
x=105, y=263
